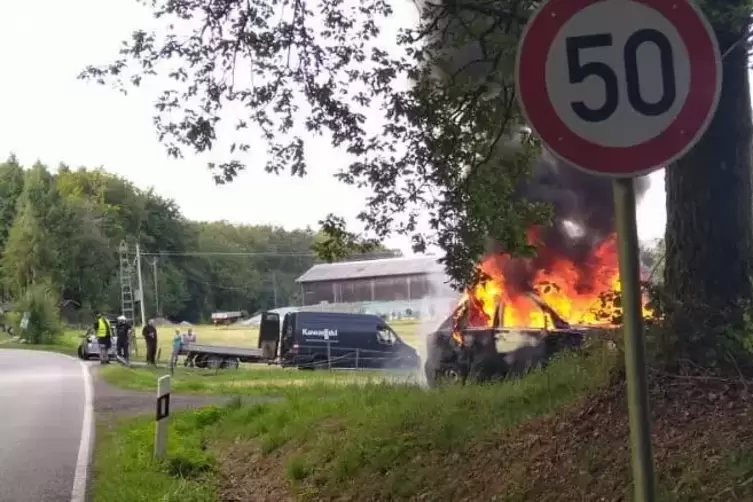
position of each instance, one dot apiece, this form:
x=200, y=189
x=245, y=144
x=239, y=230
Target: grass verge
x=559, y=435
x=366, y=442
x=67, y=343
x=124, y=469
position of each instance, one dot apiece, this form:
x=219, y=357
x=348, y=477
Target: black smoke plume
x=583, y=218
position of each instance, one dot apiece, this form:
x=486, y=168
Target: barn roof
x=384, y=267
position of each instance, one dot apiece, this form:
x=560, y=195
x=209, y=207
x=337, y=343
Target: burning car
x=547, y=301
x=524, y=311
x=457, y=352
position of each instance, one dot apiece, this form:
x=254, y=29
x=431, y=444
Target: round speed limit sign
x=618, y=87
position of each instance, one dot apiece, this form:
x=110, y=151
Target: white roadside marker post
x=163, y=416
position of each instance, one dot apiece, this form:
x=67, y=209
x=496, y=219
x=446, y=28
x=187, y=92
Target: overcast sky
x=46, y=114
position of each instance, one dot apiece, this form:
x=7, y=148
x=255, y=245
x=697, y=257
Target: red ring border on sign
x=673, y=142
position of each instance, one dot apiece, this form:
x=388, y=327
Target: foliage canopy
x=60, y=235
x=448, y=149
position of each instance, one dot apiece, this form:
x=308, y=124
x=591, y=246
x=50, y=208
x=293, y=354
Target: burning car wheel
x=445, y=374
x=450, y=375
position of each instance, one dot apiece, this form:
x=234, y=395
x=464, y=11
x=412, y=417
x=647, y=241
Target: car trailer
x=222, y=356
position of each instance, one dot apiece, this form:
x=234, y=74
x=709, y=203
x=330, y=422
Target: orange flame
x=581, y=294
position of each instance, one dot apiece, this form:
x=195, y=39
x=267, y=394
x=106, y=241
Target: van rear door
x=288, y=345
x=269, y=334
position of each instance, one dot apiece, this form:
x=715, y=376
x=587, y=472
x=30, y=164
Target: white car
x=89, y=348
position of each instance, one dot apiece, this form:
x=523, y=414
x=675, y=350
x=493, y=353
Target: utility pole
x=141, y=285
x=156, y=292
x=274, y=287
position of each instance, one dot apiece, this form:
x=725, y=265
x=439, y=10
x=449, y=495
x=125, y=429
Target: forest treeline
x=63, y=229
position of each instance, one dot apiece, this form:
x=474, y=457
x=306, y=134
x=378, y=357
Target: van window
x=386, y=336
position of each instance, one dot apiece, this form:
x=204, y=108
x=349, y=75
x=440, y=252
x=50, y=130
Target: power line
x=291, y=254
x=221, y=253
x=199, y=278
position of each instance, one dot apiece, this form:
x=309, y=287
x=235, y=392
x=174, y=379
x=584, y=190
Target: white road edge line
x=78, y=494
x=81, y=476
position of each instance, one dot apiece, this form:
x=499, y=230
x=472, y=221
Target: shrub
x=41, y=303
x=12, y=320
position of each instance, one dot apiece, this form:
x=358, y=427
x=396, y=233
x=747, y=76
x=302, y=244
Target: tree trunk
x=709, y=235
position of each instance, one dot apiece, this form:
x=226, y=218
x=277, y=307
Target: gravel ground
x=110, y=400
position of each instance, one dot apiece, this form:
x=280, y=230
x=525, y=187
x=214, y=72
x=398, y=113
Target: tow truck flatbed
x=222, y=356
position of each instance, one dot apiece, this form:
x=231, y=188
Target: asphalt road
x=46, y=409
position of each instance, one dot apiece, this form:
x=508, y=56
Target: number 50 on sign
x=618, y=87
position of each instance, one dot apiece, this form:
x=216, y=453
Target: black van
x=336, y=340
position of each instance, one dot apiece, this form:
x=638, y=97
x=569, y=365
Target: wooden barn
x=381, y=280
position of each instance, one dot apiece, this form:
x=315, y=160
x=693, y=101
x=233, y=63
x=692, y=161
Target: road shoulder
x=112, y=401
x=124, y=430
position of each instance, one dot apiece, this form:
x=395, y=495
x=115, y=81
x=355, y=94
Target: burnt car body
x=457, y=353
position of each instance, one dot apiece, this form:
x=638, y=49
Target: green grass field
x=244, y=336
x=249, y=379
x=256, y=379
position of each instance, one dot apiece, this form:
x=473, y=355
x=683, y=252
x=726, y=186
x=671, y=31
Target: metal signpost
x=163, y=416
x=620, y=88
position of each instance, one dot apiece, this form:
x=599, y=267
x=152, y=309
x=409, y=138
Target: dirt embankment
x=703, y=450
x=702, y=438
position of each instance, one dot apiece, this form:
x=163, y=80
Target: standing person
x=103, y=331
x=189, y=338
x=177, y=344
x=150, y=337
x=123, y=331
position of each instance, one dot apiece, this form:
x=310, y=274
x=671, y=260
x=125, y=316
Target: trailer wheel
x=201, y=361
x=81, y=354
x=215, y=362
x=231, y=363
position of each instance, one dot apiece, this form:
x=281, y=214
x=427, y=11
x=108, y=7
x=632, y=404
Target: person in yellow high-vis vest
x=104, y=337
